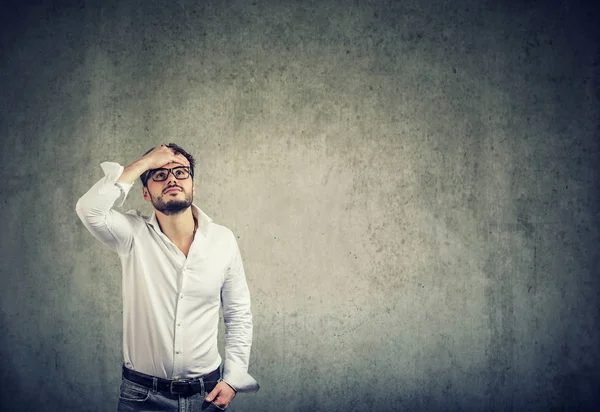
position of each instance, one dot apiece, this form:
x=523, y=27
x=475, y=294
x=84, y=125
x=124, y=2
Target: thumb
x=212, y=395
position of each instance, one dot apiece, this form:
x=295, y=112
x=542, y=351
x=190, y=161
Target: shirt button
x=181, y=296
x=178, y=352
x=179, y=324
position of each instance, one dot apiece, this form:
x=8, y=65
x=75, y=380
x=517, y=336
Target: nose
x=171, y=180
x=171, y=176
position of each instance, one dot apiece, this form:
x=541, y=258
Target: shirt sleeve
x=95, y=209
x=235, y=297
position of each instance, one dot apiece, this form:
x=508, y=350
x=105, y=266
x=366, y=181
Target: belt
x=175, y=386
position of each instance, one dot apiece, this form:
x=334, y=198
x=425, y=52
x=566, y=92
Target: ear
x=146, y=194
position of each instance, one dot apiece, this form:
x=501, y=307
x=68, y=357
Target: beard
x=172, y=207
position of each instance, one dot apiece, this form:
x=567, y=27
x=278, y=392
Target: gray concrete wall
x=414, y=185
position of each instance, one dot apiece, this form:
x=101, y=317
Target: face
x=171, y=196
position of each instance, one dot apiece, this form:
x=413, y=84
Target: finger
x=183, y=160
x=171, y=155
x=164, y=151
x=221, y=401
x=224, y=397
x=213, y=394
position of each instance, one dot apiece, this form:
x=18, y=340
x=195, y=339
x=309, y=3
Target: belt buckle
x=180, y=386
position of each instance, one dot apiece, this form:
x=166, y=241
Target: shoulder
x=215, y=232
x=221, y=232
x=223, y=238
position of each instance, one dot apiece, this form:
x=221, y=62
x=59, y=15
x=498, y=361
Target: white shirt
x=170, y=302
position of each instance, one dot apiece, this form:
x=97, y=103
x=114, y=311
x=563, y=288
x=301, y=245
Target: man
x=178, y=267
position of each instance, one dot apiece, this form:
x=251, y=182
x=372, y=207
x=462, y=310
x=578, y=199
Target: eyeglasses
x=160, y=175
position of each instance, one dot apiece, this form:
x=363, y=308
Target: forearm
x=238, y=336
x=103, y=195
x=133, y=171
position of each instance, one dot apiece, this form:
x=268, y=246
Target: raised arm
x=96, y=207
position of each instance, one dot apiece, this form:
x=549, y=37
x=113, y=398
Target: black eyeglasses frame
x=149, y=173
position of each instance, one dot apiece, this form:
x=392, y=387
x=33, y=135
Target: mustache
x=171, y=187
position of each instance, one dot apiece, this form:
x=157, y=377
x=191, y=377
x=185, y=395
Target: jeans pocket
x=209, y=386
x=131, y=391
x=212, y=407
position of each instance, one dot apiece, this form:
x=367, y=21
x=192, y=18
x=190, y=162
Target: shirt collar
x=204, y=220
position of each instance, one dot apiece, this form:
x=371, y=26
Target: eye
x=160, y=175
x=180, y=173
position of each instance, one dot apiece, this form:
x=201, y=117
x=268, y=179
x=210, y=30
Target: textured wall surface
x=414, y=185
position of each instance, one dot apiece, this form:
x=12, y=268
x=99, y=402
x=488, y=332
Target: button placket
x=179, y=332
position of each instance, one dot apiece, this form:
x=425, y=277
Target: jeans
x=138, y=398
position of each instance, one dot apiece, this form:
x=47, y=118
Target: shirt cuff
x=238, y=378
x=112, y=171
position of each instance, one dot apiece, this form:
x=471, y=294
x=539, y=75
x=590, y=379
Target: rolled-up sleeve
x=95, y=209
x=235, y=296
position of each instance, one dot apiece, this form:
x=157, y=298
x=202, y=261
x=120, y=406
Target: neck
x=177, y=227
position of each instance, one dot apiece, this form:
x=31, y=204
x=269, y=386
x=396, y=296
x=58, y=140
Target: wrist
x=133, y=171
x=228, y=384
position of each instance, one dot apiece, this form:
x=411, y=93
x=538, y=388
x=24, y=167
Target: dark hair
x=178, y=150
